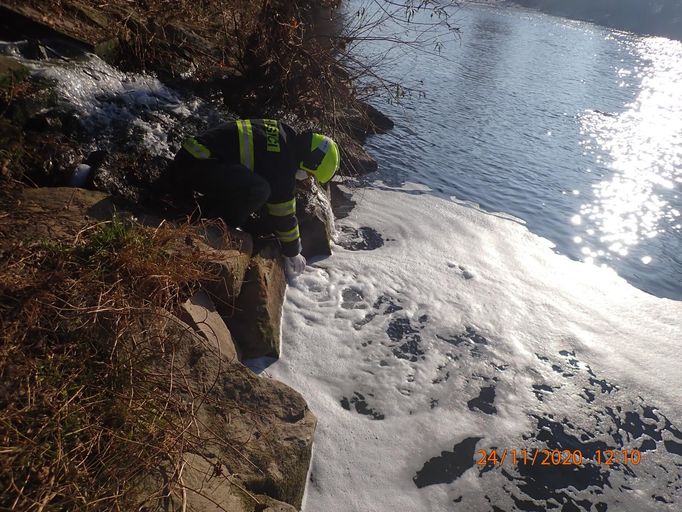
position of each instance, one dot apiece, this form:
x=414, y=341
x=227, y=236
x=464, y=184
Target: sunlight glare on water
x=573, y=128
x=645, y=146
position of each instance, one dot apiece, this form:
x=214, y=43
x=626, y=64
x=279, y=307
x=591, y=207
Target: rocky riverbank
x=125, y=317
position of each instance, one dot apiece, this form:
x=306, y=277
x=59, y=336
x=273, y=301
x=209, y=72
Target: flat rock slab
x=256, y=320
x=253, y=435
x=52, y=213
x=207, y=492
x=200, y=313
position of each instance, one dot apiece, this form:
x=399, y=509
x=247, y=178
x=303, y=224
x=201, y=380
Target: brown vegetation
x=90, y=401
x=263, y=59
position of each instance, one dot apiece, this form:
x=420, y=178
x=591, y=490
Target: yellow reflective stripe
x=196, y=149
x=288, y=236
x=282, y=209
x=245, y=143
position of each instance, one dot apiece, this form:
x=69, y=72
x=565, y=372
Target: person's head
x=318, y=156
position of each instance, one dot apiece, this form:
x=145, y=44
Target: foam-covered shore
x=460, y=331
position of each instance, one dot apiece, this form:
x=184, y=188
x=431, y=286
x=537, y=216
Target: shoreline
x=223, y=301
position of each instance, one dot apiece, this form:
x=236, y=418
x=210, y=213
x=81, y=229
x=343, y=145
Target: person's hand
x=294, y=265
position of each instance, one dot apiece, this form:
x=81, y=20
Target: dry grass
x=87, y=404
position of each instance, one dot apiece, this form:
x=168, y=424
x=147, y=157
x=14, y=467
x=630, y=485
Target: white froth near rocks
x=529, y=305
x=109, y=101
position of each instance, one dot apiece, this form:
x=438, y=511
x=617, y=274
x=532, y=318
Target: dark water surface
x=572, y=127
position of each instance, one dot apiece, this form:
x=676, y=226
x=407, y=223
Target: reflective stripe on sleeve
x=282, y=209
x=288, y=236
x=245, y=143
x=196, y=149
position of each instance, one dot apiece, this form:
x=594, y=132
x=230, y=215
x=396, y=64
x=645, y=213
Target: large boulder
x=316, y=219
x=250, y=441
x=256, y=319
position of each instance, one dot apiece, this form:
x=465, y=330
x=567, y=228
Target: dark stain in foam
x=386, y=305
x=449, y=465
x=484, y=401
x=588, y=396
x=557, y=484
x=400, y=330
x=469, y=336
x=673, y=447
x=444, y=378
x=605, y=386
x=360, y=239
x=551, y=482
x=361, y=323
x=352, y=299
x=361, y=407
x=541, y=389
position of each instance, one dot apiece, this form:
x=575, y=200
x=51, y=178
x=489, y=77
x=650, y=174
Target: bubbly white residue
x=392, y=346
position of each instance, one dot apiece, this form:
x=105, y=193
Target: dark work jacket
x=275, y=159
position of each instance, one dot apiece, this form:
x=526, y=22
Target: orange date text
x=546, y=457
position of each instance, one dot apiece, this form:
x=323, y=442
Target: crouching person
x=240, y=166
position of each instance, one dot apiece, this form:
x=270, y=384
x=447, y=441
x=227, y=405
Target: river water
x=572, y=127
x=460, y=349
x=503, y=290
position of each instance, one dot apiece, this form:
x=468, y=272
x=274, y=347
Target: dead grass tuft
x=87, y=405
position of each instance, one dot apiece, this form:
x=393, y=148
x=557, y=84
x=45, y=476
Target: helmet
x=322, y=159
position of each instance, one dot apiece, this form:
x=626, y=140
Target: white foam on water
x=112, y=103
x=377, y=343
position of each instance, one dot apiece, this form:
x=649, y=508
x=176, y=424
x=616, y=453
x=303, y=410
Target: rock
x=229, y=252
x=21, y=95
x=363, y=119
x=53, y=213
x=11, y=72
x=108, y=50
x=23, y=22
x=51, y=158
x=59, y=213
x=250, y=444
x=223, y=237
x=130, y=175
x=12, y=144
x=355, y=160
x=200, y=313
x=316, y=220
x=341, y=199
x=380, y=122
x=207, y=493
x=255, y=322
x=44, y=122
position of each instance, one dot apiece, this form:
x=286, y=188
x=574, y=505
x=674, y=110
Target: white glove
x=294, y=265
